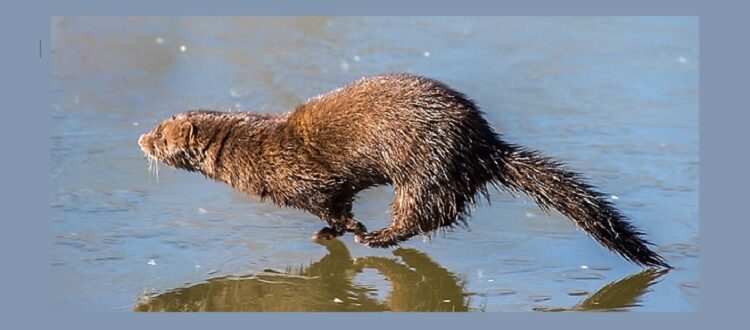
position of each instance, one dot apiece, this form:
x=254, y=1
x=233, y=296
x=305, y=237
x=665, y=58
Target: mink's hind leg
x=417, y=209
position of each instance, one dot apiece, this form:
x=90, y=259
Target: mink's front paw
x=326, y=234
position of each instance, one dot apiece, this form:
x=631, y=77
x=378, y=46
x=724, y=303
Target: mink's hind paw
x=378, y=239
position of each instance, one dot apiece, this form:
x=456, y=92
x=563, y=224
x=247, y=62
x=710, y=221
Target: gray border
x=25, y=174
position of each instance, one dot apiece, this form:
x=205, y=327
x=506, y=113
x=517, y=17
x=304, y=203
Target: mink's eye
x=159, y=135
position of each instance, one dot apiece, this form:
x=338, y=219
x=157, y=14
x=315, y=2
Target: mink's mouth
x=145, y=141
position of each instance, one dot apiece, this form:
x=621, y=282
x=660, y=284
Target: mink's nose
x=140, y=140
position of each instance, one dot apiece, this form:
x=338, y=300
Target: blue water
x=615, y=98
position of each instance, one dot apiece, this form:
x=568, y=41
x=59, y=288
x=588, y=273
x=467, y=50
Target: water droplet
x=234, y=93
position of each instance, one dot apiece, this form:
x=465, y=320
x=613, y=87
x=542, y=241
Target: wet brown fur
x=427, y=140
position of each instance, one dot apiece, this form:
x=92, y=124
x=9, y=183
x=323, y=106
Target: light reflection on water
x=616, y=98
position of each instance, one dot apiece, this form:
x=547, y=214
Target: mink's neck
x=241, y=150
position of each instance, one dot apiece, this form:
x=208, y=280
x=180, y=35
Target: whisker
x=153, y=167
x=149, y=164
x=157, y=170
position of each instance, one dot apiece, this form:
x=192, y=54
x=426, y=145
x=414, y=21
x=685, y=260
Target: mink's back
x=392, y=126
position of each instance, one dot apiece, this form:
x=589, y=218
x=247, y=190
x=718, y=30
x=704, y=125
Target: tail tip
x=653, y=260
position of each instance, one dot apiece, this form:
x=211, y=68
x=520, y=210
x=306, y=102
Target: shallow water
x=616, y=98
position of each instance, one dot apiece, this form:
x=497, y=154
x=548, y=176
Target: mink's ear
x=187, y=130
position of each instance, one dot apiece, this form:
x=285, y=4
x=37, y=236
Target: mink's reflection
x=418, y=284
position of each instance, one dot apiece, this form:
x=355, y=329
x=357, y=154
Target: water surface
x=616, y=98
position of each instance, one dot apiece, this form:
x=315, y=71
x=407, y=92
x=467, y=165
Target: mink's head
x=174, y=142
x=197, y=140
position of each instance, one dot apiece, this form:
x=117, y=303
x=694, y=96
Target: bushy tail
x=550, y=185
